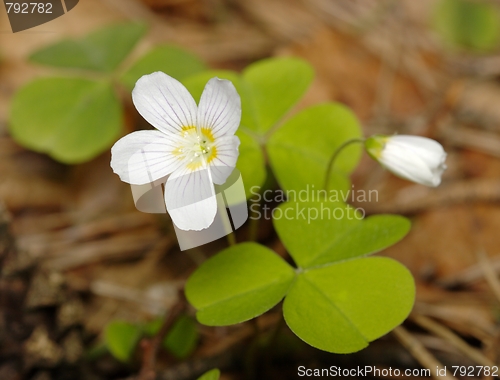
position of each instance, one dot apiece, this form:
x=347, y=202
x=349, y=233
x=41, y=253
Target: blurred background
x=77, y=256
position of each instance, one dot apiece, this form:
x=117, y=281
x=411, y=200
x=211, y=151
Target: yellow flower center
x=196, y=148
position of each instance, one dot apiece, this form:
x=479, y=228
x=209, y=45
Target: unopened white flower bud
x=415, y=158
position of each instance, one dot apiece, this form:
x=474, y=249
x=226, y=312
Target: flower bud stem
x=334, y=157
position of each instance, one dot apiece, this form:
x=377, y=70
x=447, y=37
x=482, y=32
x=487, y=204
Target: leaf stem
x=334, y=157
x=231, y=239
x=253, y=227
x=152, y=346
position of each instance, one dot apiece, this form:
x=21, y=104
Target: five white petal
x=196, y=146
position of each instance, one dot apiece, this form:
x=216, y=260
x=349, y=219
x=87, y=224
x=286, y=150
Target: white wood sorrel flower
x=414, y=158
x=194, y=145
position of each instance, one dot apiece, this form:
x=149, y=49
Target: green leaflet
x=238, y=284
x=71, y=119
x=102, y=50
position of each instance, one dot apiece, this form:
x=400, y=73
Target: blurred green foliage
x=468, y=24
x=213, y=374
x=182, y=338
x=121, y=337
x=101, y=51
x=75, y=117
x=172, y=60
x=307, y=141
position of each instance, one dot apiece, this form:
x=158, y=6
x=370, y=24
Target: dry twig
x=468, y=276
x=463, y=318
x=420, y=353
x=445, y=333
x=472, y=138
x=120, y=247
x=489, y=273
x=151, y=347
x=415, y=199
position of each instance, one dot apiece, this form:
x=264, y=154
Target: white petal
x=220, y=108
x=144, y=156
x=225, y=160
x=438, y=172
x=430, y=151
x=164, y=102
x=407, y=164
x=190, y=199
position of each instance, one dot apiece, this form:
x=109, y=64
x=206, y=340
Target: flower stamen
x=196, y=147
